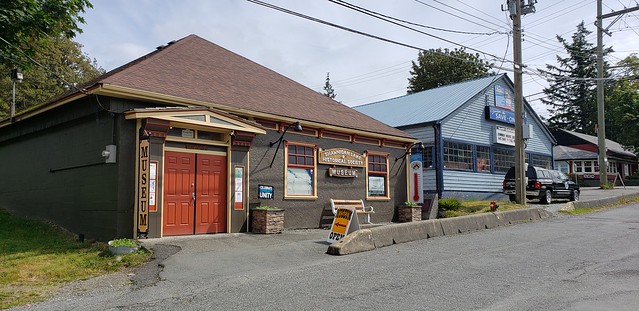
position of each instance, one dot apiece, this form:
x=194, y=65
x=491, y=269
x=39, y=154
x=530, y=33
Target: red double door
x=194, y=193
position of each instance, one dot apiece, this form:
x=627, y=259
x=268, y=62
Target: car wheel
x=512, y=197
x=574, y=195
x=547, y=198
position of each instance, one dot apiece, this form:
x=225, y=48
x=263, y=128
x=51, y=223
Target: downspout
x=439, y=163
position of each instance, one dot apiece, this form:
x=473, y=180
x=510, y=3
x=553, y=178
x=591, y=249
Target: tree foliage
x=572, y=94
x=435, y=68
x=328, y=88
x=63, y=63
x=622, y=105
x=26, y=25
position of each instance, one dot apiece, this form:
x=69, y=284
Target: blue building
x=469, y=135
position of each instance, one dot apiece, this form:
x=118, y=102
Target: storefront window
x=541, y=161
x=377, y=176
x=300, y=170
x=504, y=159
x=579, y=167
x=427, y=157
x=483, y=159
x=458, y=156
x=588, y=167
x=564, y=167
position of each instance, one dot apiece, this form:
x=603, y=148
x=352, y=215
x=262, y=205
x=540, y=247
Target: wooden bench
x=358, y=205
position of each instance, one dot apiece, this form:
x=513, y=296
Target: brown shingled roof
x=196, y=69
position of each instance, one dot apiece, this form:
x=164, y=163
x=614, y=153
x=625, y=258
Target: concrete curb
x=601, y=202
x=369, y=239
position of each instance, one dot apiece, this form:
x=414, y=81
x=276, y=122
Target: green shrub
x=450, y=204
x=266, y=207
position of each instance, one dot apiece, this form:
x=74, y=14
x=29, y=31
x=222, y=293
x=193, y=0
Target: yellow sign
x=341, y=156
x=143, y=188
x=345, y=222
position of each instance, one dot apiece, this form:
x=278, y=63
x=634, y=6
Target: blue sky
x=362, y=69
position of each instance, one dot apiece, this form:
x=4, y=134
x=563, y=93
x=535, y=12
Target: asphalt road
x=588, y=262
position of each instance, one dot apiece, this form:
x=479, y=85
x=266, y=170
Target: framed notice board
x=238, y=186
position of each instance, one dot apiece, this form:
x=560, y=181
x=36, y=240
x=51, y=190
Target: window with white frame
x=503, y=159
x=428, y=158
x=541, y=161
x=458, y=156
x=579, y=167
x=483, y=158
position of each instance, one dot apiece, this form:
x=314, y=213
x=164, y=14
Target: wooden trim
x=386, y=176
x=366, y=140
x=336, y=136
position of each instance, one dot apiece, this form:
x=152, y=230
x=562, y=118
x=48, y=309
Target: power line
x=356, y=8
x=317, y=20
x=350, y=5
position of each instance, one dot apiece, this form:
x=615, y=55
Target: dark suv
x=542, y=184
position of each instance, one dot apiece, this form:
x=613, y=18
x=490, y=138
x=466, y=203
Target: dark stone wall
x=313, y=213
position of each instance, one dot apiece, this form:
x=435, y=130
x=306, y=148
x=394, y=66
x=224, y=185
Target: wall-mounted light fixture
x=297, y=127
x=419, y=145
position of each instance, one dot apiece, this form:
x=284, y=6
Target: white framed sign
x=505, y=135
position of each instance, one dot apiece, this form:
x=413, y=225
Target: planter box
x=409, y=213
x=267, y=221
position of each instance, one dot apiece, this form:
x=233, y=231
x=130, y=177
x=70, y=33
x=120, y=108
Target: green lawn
x=36, y=258
x=455, y=208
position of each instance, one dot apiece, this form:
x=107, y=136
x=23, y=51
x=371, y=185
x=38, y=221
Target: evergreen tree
x=328, y=88
x=62, y=58
x=572, y=94
x=435, y=68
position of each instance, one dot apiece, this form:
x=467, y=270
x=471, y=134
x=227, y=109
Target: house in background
x=469, y=135
x=577, y=153
x=184, y=140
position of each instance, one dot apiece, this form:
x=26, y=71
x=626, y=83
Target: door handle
x=193, y=196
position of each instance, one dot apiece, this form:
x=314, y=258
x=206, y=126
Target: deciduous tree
x=437, y=67
x=26, y=25
x=63, y=66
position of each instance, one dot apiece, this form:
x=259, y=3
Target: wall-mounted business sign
x=341, y=156
x=342, y=172
x=265, y=192
x=500, y=115
x=143, y=188
x=504, y=98
x=505, y=135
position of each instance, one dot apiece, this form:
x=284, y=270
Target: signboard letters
x=143, y=188
x=341, y=156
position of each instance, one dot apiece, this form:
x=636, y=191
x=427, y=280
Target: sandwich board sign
x=345, y=222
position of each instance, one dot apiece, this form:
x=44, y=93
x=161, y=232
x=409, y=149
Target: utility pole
x=601, y=120
x=517, y=8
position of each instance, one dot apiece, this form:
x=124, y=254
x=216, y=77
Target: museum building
x=186, y=140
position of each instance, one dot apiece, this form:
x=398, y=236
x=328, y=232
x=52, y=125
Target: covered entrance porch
x=194, y=176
